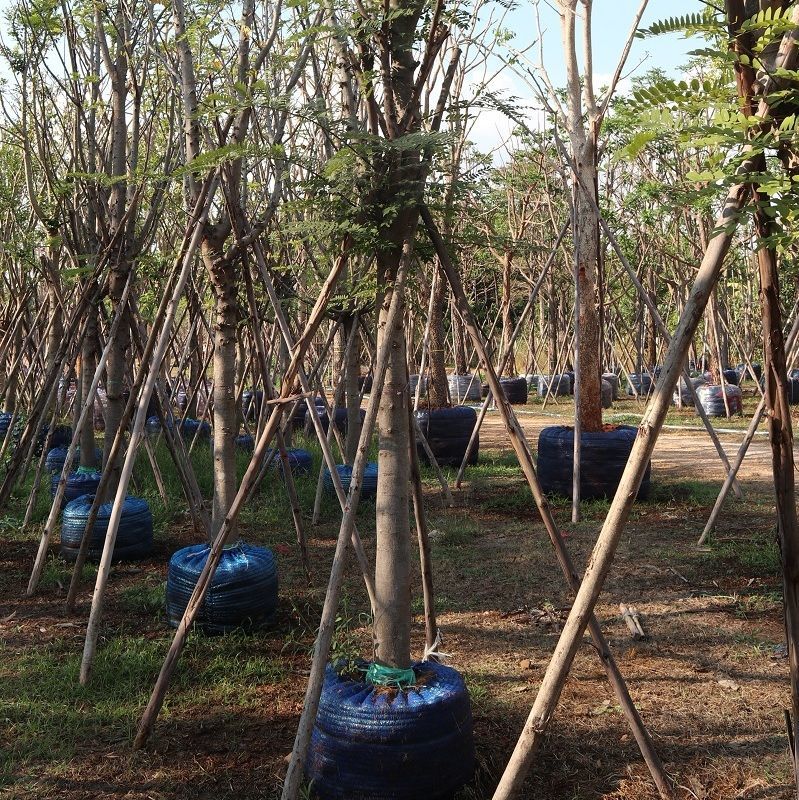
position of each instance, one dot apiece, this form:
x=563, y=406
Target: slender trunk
x=226, y=418
x=459, y=341
x=10, y=402
x=352, y=371
x=590, y=393
x=507, y=317
x=651, y=333
x=88, y=364
x=437, y=383
x=116, y=369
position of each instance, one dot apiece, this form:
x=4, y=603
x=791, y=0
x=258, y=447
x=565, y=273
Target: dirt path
x=677, y=453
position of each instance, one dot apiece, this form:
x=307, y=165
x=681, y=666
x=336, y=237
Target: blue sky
x=611, y=21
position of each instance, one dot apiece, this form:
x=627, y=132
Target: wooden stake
x=522, y=449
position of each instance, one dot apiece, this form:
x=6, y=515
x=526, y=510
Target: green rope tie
x=380, y=675
x=86, y=470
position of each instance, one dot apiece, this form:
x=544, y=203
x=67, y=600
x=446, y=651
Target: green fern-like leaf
x=688, y=23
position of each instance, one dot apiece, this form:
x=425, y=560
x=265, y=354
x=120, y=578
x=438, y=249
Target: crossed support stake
x=521, y=447
x=587, y=592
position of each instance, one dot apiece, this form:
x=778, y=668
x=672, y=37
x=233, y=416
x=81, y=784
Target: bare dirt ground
x=710, y=680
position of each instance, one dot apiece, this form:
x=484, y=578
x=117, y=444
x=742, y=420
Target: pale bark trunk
x=392, y=624
x=226, y=418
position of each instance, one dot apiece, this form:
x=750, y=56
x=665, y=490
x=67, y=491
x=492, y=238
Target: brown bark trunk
x=437, y=386
x=590, y=404
x=459, y=341
x=88, y=364
x=781, y=437
x=352, y=371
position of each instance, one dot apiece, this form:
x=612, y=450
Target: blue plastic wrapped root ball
x=374, y=743
x=83, y=481
x=368, y=485
x=55, y=458
x=603, y=457
x=134, y=536
x=300, y=460
x=242, y=593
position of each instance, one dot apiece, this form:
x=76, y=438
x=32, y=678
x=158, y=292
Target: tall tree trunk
x=552, y=342
x=590, y=371
x=507, y=316
x=88, y=364
x=458, y=340
x=437, y=383
x=226, y=417
x=352, y=371
x=651, y=333
x=392, y=625
x=117, y=364
x=402, y=178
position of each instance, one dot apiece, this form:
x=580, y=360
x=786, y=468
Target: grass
x=754, y=557
x=147, y=599
x=689, y=492
x=57, y=574
x=50, y=717
x=489, y=557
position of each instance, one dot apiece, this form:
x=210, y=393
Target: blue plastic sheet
x=371, y=743
x=243, y=590
x=134, y=537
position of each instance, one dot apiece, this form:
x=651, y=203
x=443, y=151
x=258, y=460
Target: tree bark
x=437, y=385
x=352, y=371
x=226, y=418
x=507, y=315
x=590, y=372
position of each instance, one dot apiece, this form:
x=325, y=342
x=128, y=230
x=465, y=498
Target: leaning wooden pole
x=324, y=636
x=604, y=551
x=521, y=447
x=217, y=548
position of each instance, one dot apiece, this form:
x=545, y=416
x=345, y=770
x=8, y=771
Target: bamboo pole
x=521, y=447
x=605, y=548
x=324, y=636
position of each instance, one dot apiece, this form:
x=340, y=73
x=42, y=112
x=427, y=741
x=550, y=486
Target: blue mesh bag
x=134, y=536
